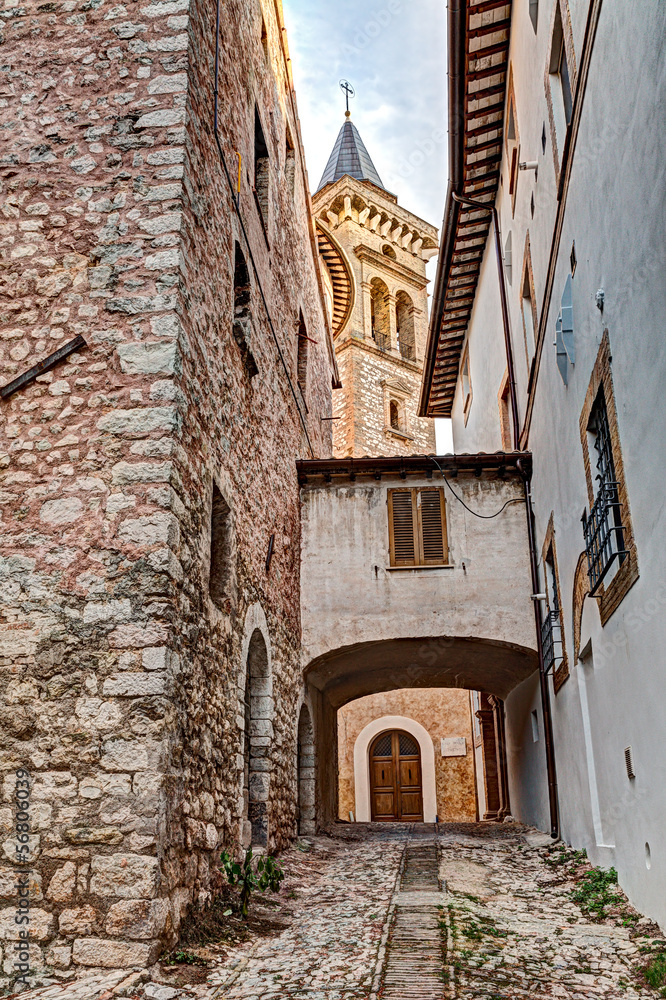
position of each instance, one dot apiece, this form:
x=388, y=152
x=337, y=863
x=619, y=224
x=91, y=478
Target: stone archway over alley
x=391, y=912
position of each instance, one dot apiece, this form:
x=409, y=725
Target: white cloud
x=394, y=54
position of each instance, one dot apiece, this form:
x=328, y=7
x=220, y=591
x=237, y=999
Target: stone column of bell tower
x=374, y=255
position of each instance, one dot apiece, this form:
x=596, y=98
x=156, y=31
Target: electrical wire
x=486, y=517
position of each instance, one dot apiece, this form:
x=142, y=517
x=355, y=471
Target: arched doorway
x=396, y=790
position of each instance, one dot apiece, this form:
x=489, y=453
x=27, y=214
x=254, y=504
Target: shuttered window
x=417, y=527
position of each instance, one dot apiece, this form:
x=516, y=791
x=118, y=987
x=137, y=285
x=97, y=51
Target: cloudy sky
x=393, y=52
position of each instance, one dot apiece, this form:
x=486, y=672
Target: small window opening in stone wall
x=388, y=251
x=221, y=551
x=242, y=322
x=302, y=354
x=379, y=314
x=289, y=163
x=534, y=13
x=306, y=774
x=404, y=317
x=394, y=415
x=261, y=171
x=257, y=738
x=264, y=39
x=242, y=290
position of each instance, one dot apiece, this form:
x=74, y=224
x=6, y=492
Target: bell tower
x=374, y=254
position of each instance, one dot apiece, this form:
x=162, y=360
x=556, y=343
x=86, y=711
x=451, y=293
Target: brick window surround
x=561, y=10
x=581, y=588
x=549, y=553
x=609, y=595
x=527, y=277
x=512, y=143
x=504, y=407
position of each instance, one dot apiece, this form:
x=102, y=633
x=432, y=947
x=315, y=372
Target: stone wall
x=371, y=377
x=123, y=681
x=444, y=713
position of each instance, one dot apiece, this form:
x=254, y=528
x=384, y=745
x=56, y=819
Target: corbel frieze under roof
x=371, y=209
x=386, y=264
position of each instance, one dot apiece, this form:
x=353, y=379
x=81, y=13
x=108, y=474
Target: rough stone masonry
x=163, y=446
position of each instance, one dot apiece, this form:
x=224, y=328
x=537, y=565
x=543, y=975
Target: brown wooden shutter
x=432, y=527
x=402, y=524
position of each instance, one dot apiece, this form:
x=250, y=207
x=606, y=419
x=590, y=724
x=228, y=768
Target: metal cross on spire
x=348, y=91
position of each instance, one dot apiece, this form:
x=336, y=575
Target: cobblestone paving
x=510, y=928
x=513, y=932
x=329, y=953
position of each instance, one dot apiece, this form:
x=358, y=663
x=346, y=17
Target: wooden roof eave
x=473, y=69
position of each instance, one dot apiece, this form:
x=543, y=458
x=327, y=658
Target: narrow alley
x=417, y=911
x=332, y=520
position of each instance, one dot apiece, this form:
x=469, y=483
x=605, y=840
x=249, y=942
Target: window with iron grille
x=417, y=527
x=551, y=616
x=602, y=527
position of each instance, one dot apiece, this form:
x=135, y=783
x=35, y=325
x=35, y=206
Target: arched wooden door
x=395, y=778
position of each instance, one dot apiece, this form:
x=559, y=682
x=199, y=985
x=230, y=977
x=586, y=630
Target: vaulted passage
x=398, y=779
x=426, y=661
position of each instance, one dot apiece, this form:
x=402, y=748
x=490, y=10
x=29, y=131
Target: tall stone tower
x=374, y=254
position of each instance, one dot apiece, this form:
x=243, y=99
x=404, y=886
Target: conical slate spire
x=349, y=156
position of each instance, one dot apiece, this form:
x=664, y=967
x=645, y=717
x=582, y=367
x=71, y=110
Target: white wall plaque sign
x=454, y=746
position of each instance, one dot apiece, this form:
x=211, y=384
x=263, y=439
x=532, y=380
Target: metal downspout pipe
x=531, y=534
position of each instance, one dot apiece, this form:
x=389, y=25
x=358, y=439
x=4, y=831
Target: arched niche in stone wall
x=256, y=711
x=306, y=766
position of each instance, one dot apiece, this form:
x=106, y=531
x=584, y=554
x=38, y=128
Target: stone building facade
x=376, y=622
x=149, y=552
x=374, y=254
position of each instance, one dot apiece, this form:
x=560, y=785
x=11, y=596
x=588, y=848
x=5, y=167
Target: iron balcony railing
x=604, y=534
x=551, y=637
